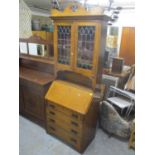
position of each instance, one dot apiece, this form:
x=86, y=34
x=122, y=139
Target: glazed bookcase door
x=63, y=48
x=86, y=48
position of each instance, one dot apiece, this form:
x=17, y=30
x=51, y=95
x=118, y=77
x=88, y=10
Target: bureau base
x=78, y=131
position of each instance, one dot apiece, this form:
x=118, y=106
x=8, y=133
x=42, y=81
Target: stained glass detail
x=64, y=44
x=86, y=36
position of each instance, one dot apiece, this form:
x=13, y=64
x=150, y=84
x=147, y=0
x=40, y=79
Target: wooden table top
x=35, y=76
x=120, y=75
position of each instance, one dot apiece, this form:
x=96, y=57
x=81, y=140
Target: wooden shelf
x=38, y=59
x=35, y=76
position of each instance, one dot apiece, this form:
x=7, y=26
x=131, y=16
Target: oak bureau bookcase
x=79, y=44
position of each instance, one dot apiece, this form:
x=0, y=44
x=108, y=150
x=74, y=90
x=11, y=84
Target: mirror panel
x=37, y=49
x=23, y=47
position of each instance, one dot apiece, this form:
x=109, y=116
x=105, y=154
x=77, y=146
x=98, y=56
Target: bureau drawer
x=56, y=115
x=72, y=129
x=65, y=136
x=73, y=115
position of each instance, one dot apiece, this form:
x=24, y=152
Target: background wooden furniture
x=45, y=53
x=48, y=36
x=36, y=74
x=117, y=65
x=127, y=49
x=71, y=113
x=79, y=41
x=123, y=77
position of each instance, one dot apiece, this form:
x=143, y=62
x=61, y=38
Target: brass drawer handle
x=51, y=112
x=74, y=123
x=52, y=128
x=75, y=116
x=52, y=120
x=74, y=132
x=73, y=140
x=52, y=106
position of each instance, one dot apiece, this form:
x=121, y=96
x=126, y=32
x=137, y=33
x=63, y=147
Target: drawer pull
x=73, y=140
x=74, y=132
x=52, y=120
x=52, y=106
x=74, y=123
x=52, y=128
x=75, y=116
x=51, y=112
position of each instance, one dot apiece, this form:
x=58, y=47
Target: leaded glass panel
x=86, y=36
x=64, y=44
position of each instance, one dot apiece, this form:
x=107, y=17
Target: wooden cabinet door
x=34, y=103
x=63, y=45
x=86, y=48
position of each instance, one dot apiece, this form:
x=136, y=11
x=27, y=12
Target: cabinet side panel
x=90, y=124
x=21, y=102
x=102, y=51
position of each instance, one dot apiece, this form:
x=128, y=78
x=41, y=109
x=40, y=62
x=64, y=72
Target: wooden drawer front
x=73, y=115
x=34, y=104
x=60, y=133
x=56, y=115
x=72, y=129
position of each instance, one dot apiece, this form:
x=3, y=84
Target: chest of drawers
x=71, y=114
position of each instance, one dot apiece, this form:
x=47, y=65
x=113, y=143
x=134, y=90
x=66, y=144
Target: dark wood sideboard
x=35, y=78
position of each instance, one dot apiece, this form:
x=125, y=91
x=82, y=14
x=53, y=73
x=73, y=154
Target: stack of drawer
x=64, y=124
x=75, y=127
